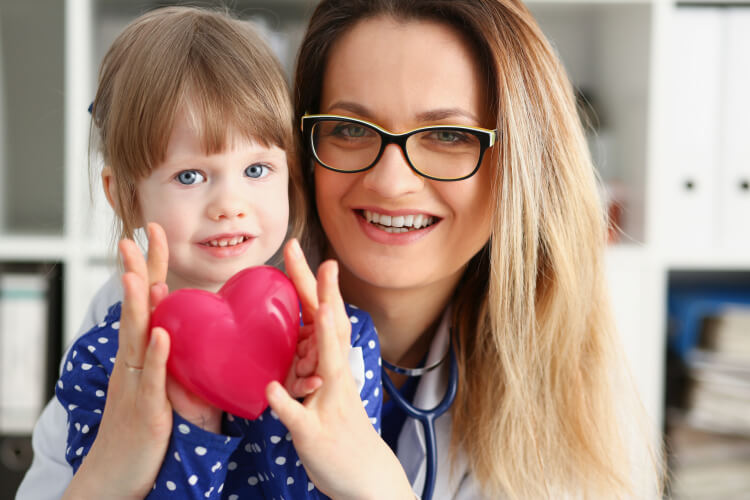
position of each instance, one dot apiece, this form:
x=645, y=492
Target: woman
x=506, y=263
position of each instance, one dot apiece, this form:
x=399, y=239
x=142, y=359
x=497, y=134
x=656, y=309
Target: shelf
x=33, y=248
x=51, y=248
x=709, y=261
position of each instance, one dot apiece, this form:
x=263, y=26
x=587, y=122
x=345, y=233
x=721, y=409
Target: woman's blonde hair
x=544, y=399
x=215, y=65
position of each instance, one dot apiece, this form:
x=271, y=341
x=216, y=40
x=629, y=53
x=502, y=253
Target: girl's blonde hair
x=214, y=64
x=544, y=399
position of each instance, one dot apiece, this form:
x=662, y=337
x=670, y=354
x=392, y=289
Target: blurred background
x=663, y=87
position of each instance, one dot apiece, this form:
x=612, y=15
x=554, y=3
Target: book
x=23, y=350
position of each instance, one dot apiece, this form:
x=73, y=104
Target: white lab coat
x=50, y=473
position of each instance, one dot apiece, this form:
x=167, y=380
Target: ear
x=109, y=183
x=110, y=188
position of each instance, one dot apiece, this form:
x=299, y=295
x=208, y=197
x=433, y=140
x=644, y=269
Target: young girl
x=195, y=126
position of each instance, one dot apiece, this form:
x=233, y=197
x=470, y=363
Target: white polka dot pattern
x=250, y=459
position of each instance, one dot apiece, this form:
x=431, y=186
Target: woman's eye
x=189, y=177
x=449, y=136
x=256, y=171
x=349, y=130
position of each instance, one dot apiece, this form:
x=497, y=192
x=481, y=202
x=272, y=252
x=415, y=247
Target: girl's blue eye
x=256, y=170
x=189, y=177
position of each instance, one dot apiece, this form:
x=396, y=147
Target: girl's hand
x=137, y=420
x=188, y=405
x=340, y=449
x=301, y=379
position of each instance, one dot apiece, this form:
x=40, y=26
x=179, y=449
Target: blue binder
x=688, y=306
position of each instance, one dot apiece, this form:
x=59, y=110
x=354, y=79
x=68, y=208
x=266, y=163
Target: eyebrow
x=433, y=115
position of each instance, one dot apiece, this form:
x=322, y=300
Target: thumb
x=290, y=411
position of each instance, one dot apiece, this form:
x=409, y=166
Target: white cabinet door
x=735, y=180
x=688, y=196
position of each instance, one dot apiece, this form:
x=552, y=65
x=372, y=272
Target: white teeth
x=404, y=222
x=227, y=242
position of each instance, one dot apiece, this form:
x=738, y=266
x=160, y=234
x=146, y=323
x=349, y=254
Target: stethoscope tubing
x=427, y=418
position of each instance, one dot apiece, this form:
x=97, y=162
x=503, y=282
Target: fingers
x=305, y=331
x=289, y=410
x=330, y=356
x=329, y=292
x=307, y=385
x=132, y=259
x=158, y=254
x=302, y=277
x=305, y=344
x=157, y=293
x=143, y=283
x=300, y=387
x=154, y=376
x=306, y=364
x=133, y=320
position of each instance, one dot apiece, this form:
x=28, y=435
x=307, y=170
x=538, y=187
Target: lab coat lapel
x=411, y=443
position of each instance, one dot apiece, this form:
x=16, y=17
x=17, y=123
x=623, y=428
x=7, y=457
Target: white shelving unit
x=608, y=48
x=618, y=53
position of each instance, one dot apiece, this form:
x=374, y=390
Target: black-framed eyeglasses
x=441, y=152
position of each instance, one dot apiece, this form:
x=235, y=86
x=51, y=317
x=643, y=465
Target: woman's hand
x=340, y=449
x=137, y=420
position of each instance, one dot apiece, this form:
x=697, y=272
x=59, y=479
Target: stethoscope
x=426, y=417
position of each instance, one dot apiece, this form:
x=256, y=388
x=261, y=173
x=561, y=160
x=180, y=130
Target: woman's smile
x=395, y=228
x=398, y=223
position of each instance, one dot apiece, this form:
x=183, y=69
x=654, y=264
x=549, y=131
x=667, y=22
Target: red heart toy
x=226, y=347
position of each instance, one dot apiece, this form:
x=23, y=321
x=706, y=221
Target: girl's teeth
x=227, y=243
x=397, y=221
x=418, y=221
x=385, y=220
x=409, y=220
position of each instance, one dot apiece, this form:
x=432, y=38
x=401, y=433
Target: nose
x=227, y=201
x=392, y=176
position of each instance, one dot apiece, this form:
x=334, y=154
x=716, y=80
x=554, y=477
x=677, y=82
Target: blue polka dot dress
x=249, y=459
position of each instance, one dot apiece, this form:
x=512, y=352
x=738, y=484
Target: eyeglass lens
x=444, y=153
